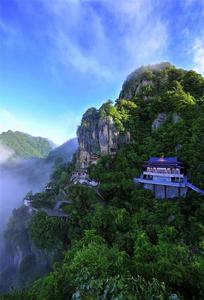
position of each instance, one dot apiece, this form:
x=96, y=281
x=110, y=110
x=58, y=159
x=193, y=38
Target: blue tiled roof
x=160, y=160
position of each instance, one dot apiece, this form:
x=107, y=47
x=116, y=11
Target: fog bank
x=16, y=180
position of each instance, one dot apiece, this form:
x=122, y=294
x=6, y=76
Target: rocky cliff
x=152, y=96
x=21, y=262
x=102, y=131
x=98, y=135
x=141, y=81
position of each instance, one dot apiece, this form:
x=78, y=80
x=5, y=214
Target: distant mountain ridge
x=24, y=145
x=65, y=151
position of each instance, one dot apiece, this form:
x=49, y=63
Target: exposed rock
x=98, y=135
x=175, y=118
x=88, y=136
x=171, y=218
x=142, y=84
x=107, y=135
x=161, y=119
x=18, y=256
x=140, y=78
x=178, y=147
x=134, y=89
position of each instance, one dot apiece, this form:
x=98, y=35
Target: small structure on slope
x=81, y=176
x=55, y=213
x=166, y=178
x=93, y=159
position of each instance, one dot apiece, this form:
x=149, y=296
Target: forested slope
x=25, y=145
x=128, y=245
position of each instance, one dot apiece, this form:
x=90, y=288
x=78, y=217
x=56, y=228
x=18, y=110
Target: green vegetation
x=26, y=146
x=130, y=245
x=32, y=264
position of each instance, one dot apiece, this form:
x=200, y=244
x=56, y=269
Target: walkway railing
x=195, y=188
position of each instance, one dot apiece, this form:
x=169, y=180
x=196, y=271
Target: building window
x=147, y=177
x=176, y=179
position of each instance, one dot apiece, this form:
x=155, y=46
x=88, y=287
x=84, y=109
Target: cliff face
x=98, y=135
x=21, y=263
x=141, y=80
x=152, y=97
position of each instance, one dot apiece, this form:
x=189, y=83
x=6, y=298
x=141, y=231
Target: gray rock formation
x=161, y=119
x=178, y=147
x=139, y=79
x=98, y=135
x=175, y=118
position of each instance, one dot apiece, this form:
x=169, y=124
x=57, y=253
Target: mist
x=17, y=178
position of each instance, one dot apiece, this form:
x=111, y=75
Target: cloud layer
x=93, y=35
x=105, y=37
x=5, y=154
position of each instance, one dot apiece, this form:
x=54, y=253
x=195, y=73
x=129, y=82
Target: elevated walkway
x=60, y=202
x=195, y=188
x=173, y=184
x=160, y=182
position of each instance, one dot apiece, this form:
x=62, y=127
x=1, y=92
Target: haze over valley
x=26, y=166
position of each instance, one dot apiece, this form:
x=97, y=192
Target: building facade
x=165, y=177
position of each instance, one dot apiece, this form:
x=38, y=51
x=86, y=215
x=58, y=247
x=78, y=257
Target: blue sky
x=59, y=57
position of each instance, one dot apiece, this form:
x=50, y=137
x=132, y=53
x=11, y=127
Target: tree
x=48, y=233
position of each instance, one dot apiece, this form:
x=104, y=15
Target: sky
x=60, y=57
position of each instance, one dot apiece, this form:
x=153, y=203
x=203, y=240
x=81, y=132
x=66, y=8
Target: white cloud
x=198, y=54
x=137, y=36
x=69, y=53
x=106, y=38
x=5, y=153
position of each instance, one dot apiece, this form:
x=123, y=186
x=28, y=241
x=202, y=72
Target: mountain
x=159, y=109
x=24, y=145
x=64, y=152
x=119, y=242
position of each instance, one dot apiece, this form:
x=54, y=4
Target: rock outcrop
x=140, y=80
x=161, y=119
x=175, y=118
x=98, y=135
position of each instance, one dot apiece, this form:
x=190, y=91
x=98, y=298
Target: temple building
x=82, y=177
x=165, y=177
x=93, y=159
